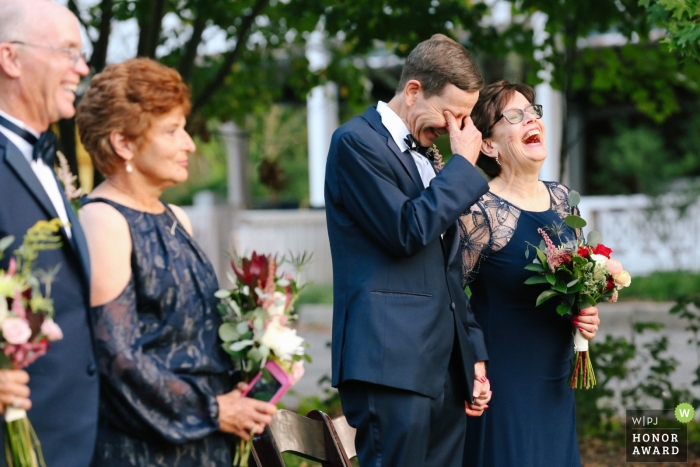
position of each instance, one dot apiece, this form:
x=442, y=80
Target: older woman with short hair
x=531, y=420
x=166, y=388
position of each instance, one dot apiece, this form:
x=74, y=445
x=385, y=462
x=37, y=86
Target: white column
x=322, y=118
x=236, y=141
x=552, y=102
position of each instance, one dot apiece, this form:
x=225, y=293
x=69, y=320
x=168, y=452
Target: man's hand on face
x=465, y=139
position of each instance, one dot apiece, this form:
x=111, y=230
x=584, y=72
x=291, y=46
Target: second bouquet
x=257, y=312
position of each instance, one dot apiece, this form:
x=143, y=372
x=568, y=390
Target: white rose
x=622, y=279
x=282, y=340
x=278, y=305
x=600, y=270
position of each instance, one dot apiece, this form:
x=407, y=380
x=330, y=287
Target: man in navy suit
x=407, y=352
x=40, y=68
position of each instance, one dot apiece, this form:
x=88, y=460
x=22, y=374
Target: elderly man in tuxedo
x=41, y=65
x=407, y=352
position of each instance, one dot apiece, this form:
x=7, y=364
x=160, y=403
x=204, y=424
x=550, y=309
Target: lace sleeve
x=560, y=202
x=146, y=398
x=475, y=241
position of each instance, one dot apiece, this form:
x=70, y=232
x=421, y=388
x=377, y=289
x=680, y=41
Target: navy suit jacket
x=64, y=382
x=397, y=284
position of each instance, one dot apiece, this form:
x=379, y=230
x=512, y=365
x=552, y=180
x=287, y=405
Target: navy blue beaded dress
x=531, y=419
x=160, y=361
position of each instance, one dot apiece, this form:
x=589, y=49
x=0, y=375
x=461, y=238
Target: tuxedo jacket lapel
x=375, y=121
x=19, y=164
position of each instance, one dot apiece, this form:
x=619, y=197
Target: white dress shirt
x=43, y=172
x=398, y=131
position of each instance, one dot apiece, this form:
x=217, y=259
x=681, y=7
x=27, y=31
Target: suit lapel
x=19, y=164
x=375, y=121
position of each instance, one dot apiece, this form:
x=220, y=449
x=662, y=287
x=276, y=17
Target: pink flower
x=16, y=331
x=297, y=371
x=18, y=306
x=614, y=266
x=23, y=355
x=51, y=330
x=613, y=298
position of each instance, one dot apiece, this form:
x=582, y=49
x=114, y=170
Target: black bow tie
x=44, y=147
x=413, y=145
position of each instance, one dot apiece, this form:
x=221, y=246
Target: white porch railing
x=646, y=236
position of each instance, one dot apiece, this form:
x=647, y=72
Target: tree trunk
x=230, y=58
x=150, y=23
x=187, y=63
x=99, y=52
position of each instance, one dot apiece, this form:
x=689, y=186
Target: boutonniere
x=435, y=157
x=67, y=179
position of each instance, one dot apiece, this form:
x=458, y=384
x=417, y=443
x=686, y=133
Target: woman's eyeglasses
x=516, y=115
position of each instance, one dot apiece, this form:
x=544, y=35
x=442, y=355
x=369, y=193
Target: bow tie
x=413, y=145
x=44, y=147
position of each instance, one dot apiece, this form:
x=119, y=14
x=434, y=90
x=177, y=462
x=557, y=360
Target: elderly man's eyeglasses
x=516, y=115
x=73, y=54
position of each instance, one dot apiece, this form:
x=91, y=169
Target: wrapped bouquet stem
x=26, y=328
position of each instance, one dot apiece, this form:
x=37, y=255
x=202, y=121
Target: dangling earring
x=497, y=162
x=129, y=168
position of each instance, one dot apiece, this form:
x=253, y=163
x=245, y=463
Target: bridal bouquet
x=582, y=274
x=257, y=312
x=27, y=328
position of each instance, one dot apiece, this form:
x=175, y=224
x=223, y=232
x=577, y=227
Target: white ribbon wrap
x=580, y=342
x=13, y=414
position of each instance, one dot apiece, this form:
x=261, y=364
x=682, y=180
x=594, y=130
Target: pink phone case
x=284, y=378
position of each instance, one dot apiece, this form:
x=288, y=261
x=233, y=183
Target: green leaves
x=574, y=198
x=537, y=279
x=544, y=296
x=575, y=222
x=594, y=238
x=536, y=267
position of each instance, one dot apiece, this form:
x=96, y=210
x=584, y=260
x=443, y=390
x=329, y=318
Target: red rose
x=611, y=284
x=583, y=252
x=601, y=249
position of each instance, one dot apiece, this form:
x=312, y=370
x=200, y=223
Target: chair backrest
x=315, y=437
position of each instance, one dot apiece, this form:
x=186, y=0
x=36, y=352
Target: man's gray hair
x=13, y=19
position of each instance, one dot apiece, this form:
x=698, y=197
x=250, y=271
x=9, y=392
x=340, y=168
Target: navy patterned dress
x=160, y=361
x=531, y=419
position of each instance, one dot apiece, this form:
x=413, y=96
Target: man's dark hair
x=440, y=61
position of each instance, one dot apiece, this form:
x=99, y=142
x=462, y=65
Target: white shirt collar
x=397, y=128
x=22, y=144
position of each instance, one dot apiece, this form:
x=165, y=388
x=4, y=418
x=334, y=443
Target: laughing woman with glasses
x=531, y=419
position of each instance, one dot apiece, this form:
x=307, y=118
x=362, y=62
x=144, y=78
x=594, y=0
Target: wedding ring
x=15, y=403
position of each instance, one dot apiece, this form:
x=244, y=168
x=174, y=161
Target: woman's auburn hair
x=127, y=97
x=490, y=105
